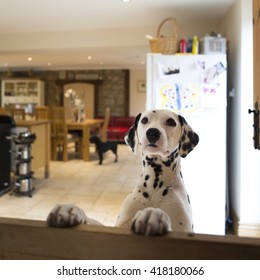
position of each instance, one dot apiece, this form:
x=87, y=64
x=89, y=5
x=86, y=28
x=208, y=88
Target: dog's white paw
x=151, y=221
x=66, y=215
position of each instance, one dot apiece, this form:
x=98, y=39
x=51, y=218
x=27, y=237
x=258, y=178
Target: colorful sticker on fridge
x=181, y=98
x=211, y=95
x=214, y=72
x=212, y=87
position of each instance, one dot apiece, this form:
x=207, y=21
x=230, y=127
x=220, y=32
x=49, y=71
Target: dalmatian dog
x=76, y=105
x=159, y=203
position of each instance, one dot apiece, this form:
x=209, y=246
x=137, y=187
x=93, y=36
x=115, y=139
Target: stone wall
x=113, y=92
x=111, y=87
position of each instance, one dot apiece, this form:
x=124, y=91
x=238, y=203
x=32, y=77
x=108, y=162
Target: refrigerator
x=195, y=86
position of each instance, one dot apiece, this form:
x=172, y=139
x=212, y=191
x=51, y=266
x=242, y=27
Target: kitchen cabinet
x=25, y=93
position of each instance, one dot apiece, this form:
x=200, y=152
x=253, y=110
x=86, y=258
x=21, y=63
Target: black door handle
x=255, y=125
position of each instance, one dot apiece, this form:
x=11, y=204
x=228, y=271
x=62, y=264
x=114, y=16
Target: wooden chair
x=103, y=130
x=3, y=111
x=41, y=113
x=18, y=113
x=60, y=138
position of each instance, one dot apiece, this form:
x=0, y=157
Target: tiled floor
x=99, y=190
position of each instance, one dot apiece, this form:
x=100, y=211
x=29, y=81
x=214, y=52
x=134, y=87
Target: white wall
x=245, y=161
x=137, y=99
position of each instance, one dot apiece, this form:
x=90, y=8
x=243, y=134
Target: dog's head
x=94, y=139
x=70, y=93
x=161, y=132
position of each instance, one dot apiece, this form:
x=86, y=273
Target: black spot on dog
x=193, y=137
x=154, y=111
x=188, y=198
x=171, y=159
x=137, y=118
x=181, y=175
x=165, y=192
x=180, y=223
x=168, y=162
x=130, y=139
x=186, y=147
x=182, y=120
x=145, y=194
x=147, y=177
x=143, y=163
x=156, y=181
x=174, y=166
x=161, y=184
x=149, y=160
x=188, y=141
x=157, y=170
x=145, y=185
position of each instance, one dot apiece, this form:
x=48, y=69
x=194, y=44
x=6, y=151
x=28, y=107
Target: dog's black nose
x=153, y=135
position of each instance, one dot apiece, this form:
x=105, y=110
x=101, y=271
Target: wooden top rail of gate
x=24, y=239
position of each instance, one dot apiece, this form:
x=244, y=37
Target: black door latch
x=255, y=125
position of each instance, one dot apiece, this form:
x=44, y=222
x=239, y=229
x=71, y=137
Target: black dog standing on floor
x=103, y=147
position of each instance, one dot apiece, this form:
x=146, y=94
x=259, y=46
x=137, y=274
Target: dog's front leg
x=68, y=215
x=100, y=157
x=151, y=221
x=143, y=220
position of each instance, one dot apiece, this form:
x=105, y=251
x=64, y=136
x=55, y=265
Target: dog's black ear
x=131, y=137
x=137, y=118
x=189, y=139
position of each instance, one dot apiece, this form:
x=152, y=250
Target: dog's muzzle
x=153, y=135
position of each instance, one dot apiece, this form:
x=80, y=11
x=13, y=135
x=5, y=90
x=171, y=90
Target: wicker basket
x=165, y=45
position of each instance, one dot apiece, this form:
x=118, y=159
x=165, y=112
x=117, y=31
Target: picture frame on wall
x=141, y=86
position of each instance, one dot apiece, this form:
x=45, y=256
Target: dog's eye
x=144, y=120
x=171, y=122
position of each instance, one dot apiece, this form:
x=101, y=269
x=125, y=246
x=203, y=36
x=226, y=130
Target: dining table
x=84, y=127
